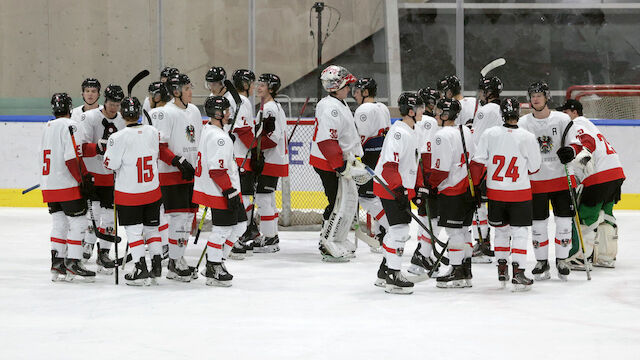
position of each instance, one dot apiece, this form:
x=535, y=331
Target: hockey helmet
x=177, y=81
x=61, y=104
x=510, y=108
x=366, y=83
x=451, y=83
x=449, y=108
x=336, y=77
x=130, y=107
x=539, y=87
x=113, y=93
x=429, y=95
x=491, y=86
x=215, y=74
x=242, y=76
x=409, y=101
x=272, y=81
x=159, y=88
x=168, y=71
x=91, y=83
x=215, y=106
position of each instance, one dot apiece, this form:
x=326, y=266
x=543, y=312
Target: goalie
x=334, y=146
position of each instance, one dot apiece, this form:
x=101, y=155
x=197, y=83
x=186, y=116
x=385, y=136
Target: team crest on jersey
x=438, y=141
x=397, y=136
x=363, y=117
x=427, y=125
x=546, y=144
x=190, y=131
x=220, y=142
x=84, y=116
x=334, y=113
x=480, y=115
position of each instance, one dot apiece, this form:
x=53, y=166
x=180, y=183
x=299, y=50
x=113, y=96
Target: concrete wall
x=52, y=45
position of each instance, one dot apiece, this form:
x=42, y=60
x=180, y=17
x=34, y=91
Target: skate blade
x=153, y=281
x=503, y=283
x=79, y=279
x=266, y=249
x=417, y=270
x=520, y=288
x=173, y=276
x=380, y=283
x=392, y=289
x=56, y=276
x=415, y=278
x=468, y=283
x=249, y=253
x=482, y=259
x=333, y=259
x=455, y=284
x=105, y=271
x=138, y=282
x=236, y=256
x=214, y=282
x=543, y=276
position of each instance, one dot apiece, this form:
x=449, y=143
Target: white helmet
x=336, y=77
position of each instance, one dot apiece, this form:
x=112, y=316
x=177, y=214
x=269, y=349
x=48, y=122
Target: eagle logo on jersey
x=363, y=117
x=546, y=144
x=190, y=131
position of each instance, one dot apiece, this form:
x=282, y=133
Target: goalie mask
x=336, y=77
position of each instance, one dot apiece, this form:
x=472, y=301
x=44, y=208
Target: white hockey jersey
x=56, y=148
x=448, y=157
x=425, y=131
x=276, y=162
x=146, y=105
x=92, y=130
x=548, y=132
x=400, y=147
x=133, y=154
x=215, y=153
x=607, y=165
x=77, y=112
x=244, y=131
x=372, y=120
x=334, y=121
x=488, y=116
x=180, y=129
x=510, y=155
x=468, y=108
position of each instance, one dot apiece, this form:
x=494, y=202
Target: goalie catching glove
x=356, y=170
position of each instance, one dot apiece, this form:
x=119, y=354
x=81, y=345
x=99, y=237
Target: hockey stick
x=236, y=98
x=136, y=79
x=485, y=70
x=255, y=139
x=146, y=114
x=471, y=186
x=115, y=228
x=298, y=120
x=31, y=188
x=204, y=215
x=576, y=217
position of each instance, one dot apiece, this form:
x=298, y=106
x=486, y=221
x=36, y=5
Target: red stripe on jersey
x=544, y=243
x=60, y=195
x=500, y=248
x=215, y=246
x=268, y=218
x=165, y=154
x=129, y=199
x=136, y=243
x=482, y=222
x=216, y=202
x=74, y=242
x=277, y=170
x=153, y=239
x=388, y=249
x=319, y=163
x=552, y=185
x=163, y=227
x=510, y=195
x=380, y=215
x=173, y=241
x=245, y=135
x=604, y=176
x=221, y=178
x=519, y=251
x=59, y=241
x=301, y=122
x=172, y=178
x=89, y=150
x=227, y=242
x=450, y=249
x=457, y=189
x=247, y=164
x=331, y=151
x=391, y=175
x=102, y=179
x=187, y=210
x=380, y=191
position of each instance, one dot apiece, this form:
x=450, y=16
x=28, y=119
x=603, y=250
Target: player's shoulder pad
x=270, y=109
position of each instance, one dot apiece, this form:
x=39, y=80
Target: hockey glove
x=566, y=154
x=234, y=203
x=109, y=128
x=87, y=188
x=257, y=162
x=402, y=199
x=583, y=162
x=269, y=124
x=101, y=146
x=355, y=169
x=185, y=168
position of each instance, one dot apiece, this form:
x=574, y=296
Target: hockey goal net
x=607, y=101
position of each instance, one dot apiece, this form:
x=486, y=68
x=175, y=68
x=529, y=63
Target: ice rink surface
x=290, y=305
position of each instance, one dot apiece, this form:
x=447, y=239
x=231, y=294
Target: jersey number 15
x=145, y=169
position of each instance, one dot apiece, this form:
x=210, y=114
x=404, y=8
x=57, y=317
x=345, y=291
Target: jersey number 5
x=145, y=169
x=198, y=166
x=47, y=162
x=512, y=169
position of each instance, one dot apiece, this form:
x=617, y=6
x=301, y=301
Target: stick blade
x=234, y=92
x=492, y=65
x=141, y=75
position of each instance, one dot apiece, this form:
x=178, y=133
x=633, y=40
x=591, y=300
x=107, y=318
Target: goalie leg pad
x=336, y=228
x=393, y=245
x=606, y=245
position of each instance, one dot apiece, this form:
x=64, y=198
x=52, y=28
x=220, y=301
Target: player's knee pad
x=456, y=245
x=135, y=240
x=77, y=227
x=519, y=237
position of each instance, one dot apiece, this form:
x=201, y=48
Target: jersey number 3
x=145, y=169
x=512, y=169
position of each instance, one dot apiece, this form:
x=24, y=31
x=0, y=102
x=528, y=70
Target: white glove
x=357, y=171
x=584, y=162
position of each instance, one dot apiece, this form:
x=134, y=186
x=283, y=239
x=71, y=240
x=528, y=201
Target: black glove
x=402, y=199
x=185, y=168
x=234, y=203
x=109, y=128
x=566, y=154
x=269, y=124
x=421, y=196
x=87, y=188
x=257, y=165
x=101, y=146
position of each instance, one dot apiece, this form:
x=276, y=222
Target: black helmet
x=449, y=83
x=491, y=85
x=61, y=104
x=510, y=108
x=114, y=93
x=216, y=73
x=168, y=71
x=130, y=107
x=272, y=81
x=91, y=83
x=158, y=87
x=539, y=87
x=177, y=81
x=215, y=106
x=429, y=95
x=450, y=108
x=241, y=76
x=367, y=83
x=409, y=101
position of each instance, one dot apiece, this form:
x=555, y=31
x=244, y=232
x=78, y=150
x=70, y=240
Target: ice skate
x=482, y=253
x=467, y=272
x=248, y=238
x=520, y=281
x=87, y=250
x=381, y=281
x=563, y=269
x=104, y=262
x=139, y=276
x=503, y=272
x=456, y=279
x=217, y=274
x=541, y=270
x=421, y=265
x=396, y=283
x=58, y=270
x=327, y=257
x=266, y=245
x=76, y=272
x=156, y=269
x=178, y=270
x=240, y=250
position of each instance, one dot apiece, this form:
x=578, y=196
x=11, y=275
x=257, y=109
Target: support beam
x=460, y=42
x=392, y=37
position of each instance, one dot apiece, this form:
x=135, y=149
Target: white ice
x=290, y=305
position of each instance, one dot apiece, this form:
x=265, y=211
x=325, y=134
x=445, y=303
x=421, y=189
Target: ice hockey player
x=455, y=204
x=96, y=127
x=425, y=129
x=334, y=144
x=244, y=133
x=64, y=182
x=450, y=88
x=90, y=96
x=549, y=184
x=269, y=162
x=180, y=126
x=373, y=120
x=602, y=178
x=165, y=74
x=487, y=116
x=216, y=186
x=397, y=167
x=132, y=153
x=508, y=154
